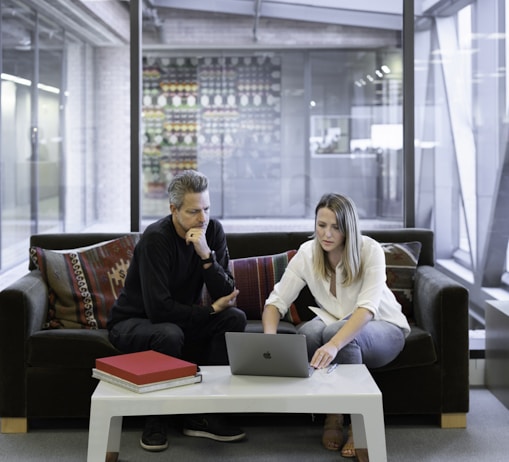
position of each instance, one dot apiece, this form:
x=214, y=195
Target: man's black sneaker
x=155, y=434
x=211, y=426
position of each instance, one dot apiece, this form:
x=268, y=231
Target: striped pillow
x=255, y=278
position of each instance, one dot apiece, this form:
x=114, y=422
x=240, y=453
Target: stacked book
x=146, y=371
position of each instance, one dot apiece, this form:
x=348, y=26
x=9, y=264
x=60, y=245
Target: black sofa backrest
x=243, y=245
x=267, y=243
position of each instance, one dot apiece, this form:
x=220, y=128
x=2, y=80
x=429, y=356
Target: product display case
x=219, y=114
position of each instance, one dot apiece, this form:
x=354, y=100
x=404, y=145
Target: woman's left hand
x=324, y=355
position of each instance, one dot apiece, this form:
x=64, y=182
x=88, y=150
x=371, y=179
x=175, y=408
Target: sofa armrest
x=441, y=308
x=23, y=308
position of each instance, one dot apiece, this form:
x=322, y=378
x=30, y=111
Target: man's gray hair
x=188, y=181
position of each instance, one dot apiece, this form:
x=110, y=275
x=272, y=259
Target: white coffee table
x=349, y=389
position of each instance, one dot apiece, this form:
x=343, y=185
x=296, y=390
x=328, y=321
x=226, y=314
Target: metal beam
x=257, y=11
x=408, y=115
x=136, y=109
x=80, y=20
x=494, y=257
x=297, y=11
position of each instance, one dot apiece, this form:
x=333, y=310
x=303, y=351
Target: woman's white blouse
x=370, y=291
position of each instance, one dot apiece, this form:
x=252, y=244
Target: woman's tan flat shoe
x=348, y=450
x=332, y=437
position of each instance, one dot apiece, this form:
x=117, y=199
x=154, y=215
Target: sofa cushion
x=68, y=348
x=284, y=327
x=419, y=350
x=84, y=283
x=401, y=262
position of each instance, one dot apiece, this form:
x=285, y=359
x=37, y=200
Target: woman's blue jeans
x=377, y=344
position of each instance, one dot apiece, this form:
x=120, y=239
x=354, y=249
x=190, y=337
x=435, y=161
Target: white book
x=325, y=316
x=101, y=375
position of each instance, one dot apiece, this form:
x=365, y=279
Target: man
x=159, y=307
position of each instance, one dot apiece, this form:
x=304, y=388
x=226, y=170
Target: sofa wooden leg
x=14, y=424
x=451, y=420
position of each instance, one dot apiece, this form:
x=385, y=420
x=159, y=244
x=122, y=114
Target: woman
x=345, y=272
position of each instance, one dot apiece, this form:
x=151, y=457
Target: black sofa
x=47, y=373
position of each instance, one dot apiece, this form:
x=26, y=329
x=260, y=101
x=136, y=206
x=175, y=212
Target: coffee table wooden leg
x=111, y=456
x=359, y=434
x=115, y=434
x=369, y=436
x=97, y=439
x=103, y=435
x=362, y=455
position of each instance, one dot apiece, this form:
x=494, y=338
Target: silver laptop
x=278, y=355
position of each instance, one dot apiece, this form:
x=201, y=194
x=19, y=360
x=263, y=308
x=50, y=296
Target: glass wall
x=356, y=129
x=62, y=147
x=275, y=124
x=275, y=115
x=461, y=140
x=31, y=128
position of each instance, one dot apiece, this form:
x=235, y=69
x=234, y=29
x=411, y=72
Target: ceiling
x=374, y=14
x=107, y=22
x=386, y=14
x=99, y=23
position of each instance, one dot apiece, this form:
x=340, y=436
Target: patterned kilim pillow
x=401, y=261
x=84, y=283
x=255, y=278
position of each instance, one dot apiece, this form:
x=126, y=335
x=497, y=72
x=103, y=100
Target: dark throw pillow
x=401, y=261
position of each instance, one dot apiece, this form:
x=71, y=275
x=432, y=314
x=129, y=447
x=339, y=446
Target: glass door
x=18, y=70
x=47, y=148
x=31, y=140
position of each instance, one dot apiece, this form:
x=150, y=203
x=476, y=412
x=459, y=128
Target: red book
x=146, y=367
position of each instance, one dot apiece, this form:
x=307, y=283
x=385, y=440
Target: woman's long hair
x=348, y=224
